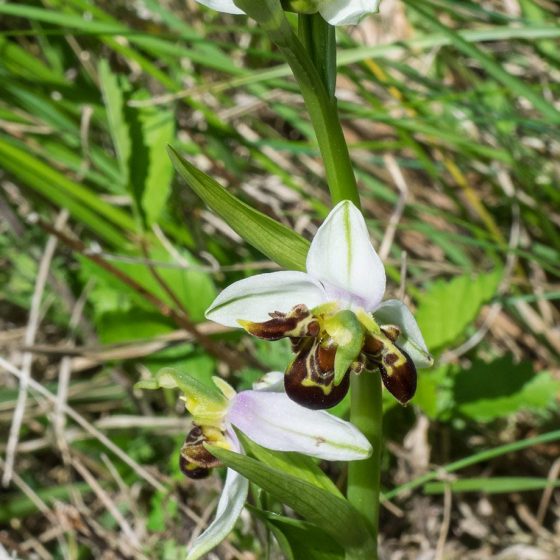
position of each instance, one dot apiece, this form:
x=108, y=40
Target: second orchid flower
x=266, y=416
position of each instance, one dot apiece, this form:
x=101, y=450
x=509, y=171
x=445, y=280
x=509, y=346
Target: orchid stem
x=312, y=58
x=364, y=476
x=366, y=408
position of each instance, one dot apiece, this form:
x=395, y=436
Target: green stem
x=315, y=80
x=366, y=411
x=366, y=408
x=319, y=40
x=312, y=58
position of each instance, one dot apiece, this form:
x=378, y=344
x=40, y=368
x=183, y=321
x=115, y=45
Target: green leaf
x=513, y=84
x=19, y=506
x=299, y=539
x=481, y=456
x=158, y=130
x=334, y=515
x=273, y=239
x=139, y=137
x=433, y=394
x=296, y=464
x=448, y=307
x=83, y=204
x=22, y=63
x=497, y=389
x=114, y=89
x=163, y=511
x=193, y=288
x=495, y=485
x=114, y=327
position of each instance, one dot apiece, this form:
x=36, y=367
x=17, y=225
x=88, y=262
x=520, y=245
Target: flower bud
x=309, y=379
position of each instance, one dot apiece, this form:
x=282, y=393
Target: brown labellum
x=195, y=460
x=192, y=471
x=309, y=379
x=296, y=323
x=398, y=373
x=373, y=345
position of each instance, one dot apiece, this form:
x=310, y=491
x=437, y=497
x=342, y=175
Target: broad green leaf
x=433, y=393
x=273, y=239
x=163, y=511
x=448, y=307
x=158, y=130
x=300, y=540
x=296, y=464
x=140, y=135
x=193, y=288
x=499, y=388
x=334, y=515
x=494, y=485
x=114, y=88
x=114, y=327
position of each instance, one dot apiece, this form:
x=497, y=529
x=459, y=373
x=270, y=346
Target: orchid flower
x=336, y=12
x=266, y=416
x=333, y=314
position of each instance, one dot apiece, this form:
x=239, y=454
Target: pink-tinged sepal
x=274, y=421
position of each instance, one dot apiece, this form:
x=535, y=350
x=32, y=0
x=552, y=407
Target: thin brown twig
x=100, y=436
x=444, y=530
x=27, y=360
x=399, y=180
x=162, y=283
x=37, y=501
x=90, y=428
x=111, y=507
x=553, y=474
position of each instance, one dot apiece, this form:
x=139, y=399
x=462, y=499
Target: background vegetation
x=452, y=112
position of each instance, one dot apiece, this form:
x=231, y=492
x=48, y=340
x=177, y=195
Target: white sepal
x=395, y=312
x=226, y=6
x=276, y=422
x=252, y=299
x=342, y=257
x=272, y=381
x=347, y=12
x=229, y=509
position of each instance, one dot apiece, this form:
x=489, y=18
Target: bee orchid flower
x=266, y=416
x=335, y=12
x=333, y=314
